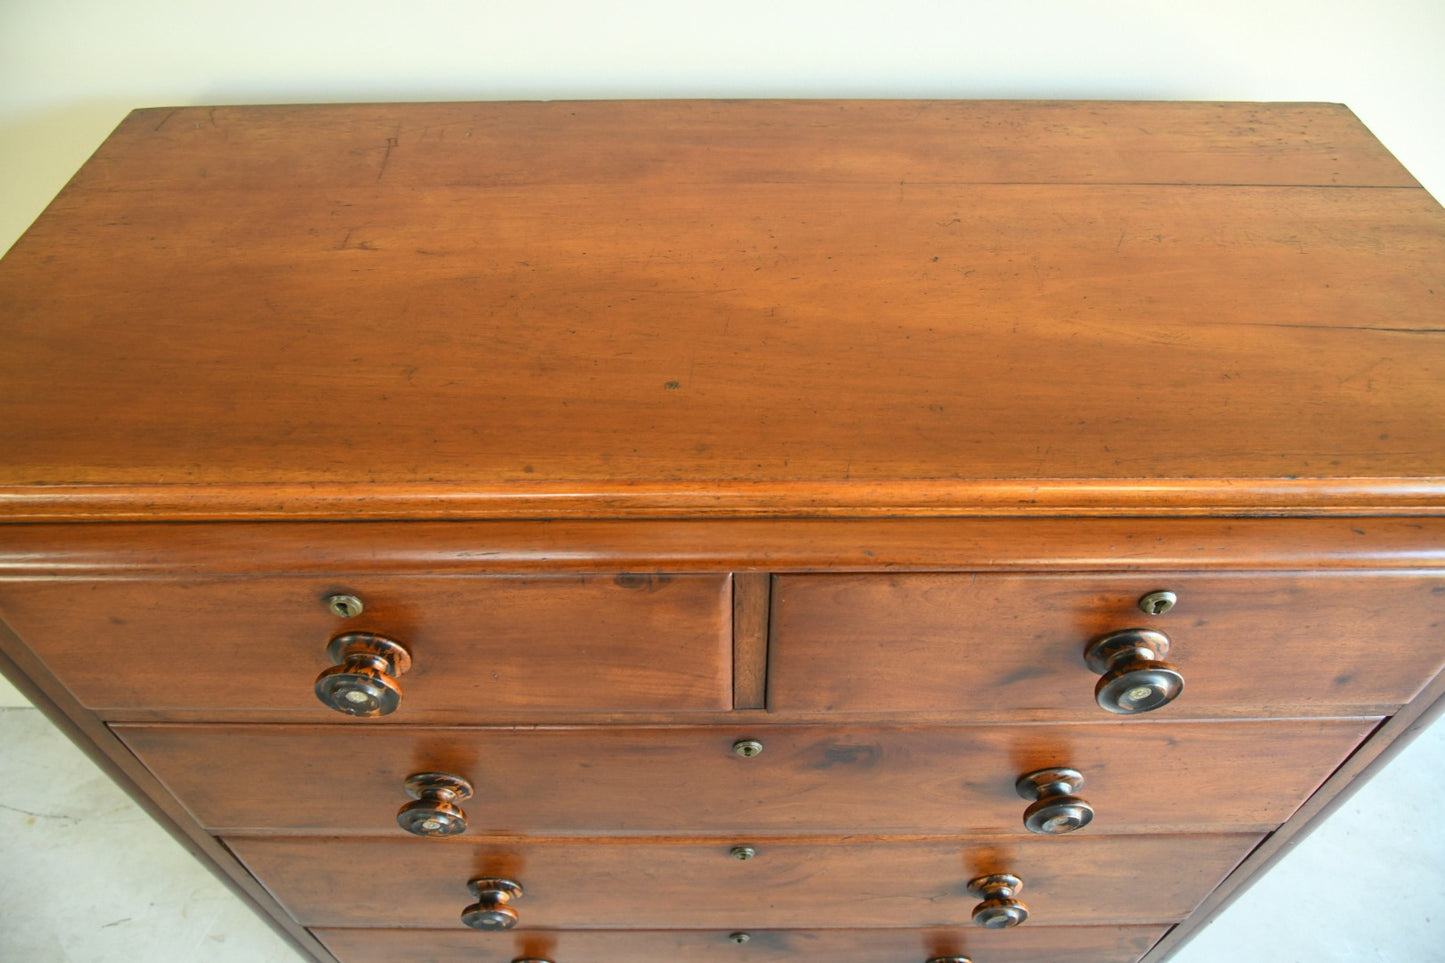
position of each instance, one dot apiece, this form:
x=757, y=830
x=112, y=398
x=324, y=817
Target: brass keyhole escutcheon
x=1158, y=603
x=344, y=606
x=747, y=748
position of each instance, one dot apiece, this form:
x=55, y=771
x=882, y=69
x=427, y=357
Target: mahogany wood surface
x=752, y=596
x=1076, y=944
x=730, y=142
x=808, y=882
x=753, y=308
x=546, y=643
x=1139, y=777
x=648, y=427
x=120, y=550
x=916, y=641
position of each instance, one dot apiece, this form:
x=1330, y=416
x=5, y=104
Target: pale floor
x=86, y=876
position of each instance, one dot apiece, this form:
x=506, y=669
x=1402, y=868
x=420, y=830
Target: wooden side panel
x=1093, y=944
x=1393, y=736
x=113, y=759
x=611, y=643
x=927, y=642
x=840, y=882
x=1140, y=777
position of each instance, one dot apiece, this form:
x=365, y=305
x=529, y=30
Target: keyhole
x=344, y=606
x=1157, y=603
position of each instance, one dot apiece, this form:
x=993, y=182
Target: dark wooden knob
x=435, y=812
x=492, y=911
x=999, y=909
x=1056, y=810
x=1133, y=677
x=362, y=679
x=950, y=959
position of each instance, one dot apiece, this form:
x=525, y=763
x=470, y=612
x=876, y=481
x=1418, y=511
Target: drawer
x=476, y=644
x=1015, y=643
x=1076, y=944
x=847, y=882
x=1161, y=777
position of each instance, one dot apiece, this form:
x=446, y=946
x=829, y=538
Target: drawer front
x=1015, y=643
x=683, y=884
x=476, y=644
x=1076, y=944
x=1225, y=776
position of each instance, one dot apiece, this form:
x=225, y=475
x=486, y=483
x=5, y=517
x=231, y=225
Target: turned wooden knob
x=999, y=909
x=1133, y=677
x=1056, y=810
x=492, y=911
x=362, y=680
x=950, y=959
x=435, y=812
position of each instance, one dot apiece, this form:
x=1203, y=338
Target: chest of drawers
x=798, y=531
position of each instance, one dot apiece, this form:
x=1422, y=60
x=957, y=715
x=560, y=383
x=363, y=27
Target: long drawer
x=1265, y=643
x=1138, y=776
x=847, y=882
x=1076, y=944
x=476, y=644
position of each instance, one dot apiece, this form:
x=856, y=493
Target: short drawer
x=1077, y=944
x=1164, y=777
x=476, y=644
x=790, y=883
x=1264, y=644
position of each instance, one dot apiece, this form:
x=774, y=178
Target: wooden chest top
x=727, y=308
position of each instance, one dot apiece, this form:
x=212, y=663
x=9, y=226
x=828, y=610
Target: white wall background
x=70, y=69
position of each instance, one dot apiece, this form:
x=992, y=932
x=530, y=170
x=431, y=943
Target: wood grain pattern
x=590, y=375
x=899, y=642
x=792, y=883
x=752, y=595
x=1092, y=944
x=550, y=643
x=800, y=309
x=730, y=142
x=758, y=545
x=1165, y=777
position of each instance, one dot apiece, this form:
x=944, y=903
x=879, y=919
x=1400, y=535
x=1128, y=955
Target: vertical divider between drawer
x=752, y=598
